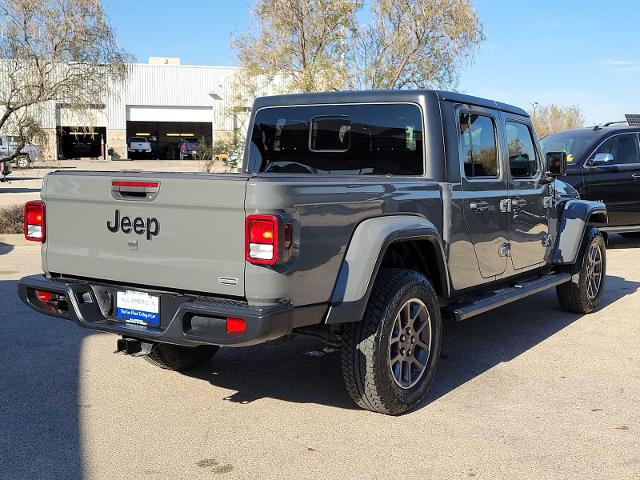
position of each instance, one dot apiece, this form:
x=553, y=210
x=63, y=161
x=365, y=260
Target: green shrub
x=11, y=219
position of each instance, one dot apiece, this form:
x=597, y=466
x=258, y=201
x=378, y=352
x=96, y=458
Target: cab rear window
x=368, y=139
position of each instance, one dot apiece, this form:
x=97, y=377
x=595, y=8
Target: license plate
x=138, y=307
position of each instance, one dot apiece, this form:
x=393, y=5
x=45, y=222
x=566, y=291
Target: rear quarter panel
x=325, y=213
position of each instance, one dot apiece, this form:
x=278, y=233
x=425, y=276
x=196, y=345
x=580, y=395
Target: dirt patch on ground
x=11, y=219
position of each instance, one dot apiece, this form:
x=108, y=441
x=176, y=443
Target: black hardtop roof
x=371, y=96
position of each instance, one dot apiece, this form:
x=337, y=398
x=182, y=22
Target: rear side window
x=523, y=161
x=624, y=148
x=371, y=139
x=478, y=146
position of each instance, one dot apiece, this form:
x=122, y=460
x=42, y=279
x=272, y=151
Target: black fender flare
x=364, y=256
x=575, y=219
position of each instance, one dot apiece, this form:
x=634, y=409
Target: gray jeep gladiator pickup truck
x=362, y=218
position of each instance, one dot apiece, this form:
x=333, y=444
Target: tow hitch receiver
x=133, y=346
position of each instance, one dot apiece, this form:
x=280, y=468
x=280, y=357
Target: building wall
x=174, y=85
x=169, y=85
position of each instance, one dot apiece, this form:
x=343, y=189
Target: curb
x=17, y=240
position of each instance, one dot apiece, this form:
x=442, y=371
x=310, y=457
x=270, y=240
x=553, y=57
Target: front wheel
x=389, y=358
x=582, y=294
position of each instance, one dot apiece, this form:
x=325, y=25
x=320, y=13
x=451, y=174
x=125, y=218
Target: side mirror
x=602, y=159
x=556, y=164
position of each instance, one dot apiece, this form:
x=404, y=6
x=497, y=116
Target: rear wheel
x=22, y=161
x=582, y=294
x=178, y=358
x=389, y=358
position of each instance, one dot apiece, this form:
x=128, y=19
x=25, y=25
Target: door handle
x=636, y=176
x=478, y=206
x=519, y=202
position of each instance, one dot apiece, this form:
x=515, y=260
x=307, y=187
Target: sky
x=582, y=52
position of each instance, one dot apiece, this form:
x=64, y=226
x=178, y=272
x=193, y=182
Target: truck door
x=617, y=182
x=484, y=188
x=529, y=230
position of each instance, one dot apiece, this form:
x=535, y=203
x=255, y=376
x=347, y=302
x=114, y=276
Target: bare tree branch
x=62, y=51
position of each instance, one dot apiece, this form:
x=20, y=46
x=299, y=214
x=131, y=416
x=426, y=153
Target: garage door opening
x=169, y=140
x=81, y=142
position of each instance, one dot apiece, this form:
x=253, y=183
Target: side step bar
x=508, y=295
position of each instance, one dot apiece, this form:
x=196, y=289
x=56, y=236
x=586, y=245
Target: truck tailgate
x=174, y=230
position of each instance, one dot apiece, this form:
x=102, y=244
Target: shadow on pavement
x=294, y=371
x=17, y=178
x=39, y=406
x=5, y=248
x=19, y=190
x=299, y=372
x=620, y=242
x=50, y=167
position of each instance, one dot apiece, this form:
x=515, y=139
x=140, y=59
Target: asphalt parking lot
x=525, y=391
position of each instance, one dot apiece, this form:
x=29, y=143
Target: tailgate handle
x=134, y=190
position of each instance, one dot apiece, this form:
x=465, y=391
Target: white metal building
x=163, y=101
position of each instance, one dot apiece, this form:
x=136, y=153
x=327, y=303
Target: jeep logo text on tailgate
x=138, y=225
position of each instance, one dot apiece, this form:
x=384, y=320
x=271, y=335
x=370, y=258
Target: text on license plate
x=138, y=307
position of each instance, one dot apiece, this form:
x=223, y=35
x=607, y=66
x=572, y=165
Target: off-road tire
x=573, y=295
x=22, y=161
x=365, y=344
x=175, y=357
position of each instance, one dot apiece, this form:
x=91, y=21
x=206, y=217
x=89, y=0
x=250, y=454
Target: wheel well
x=598, y=218
x=419, y=255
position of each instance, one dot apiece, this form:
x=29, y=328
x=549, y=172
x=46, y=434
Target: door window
x=624, y=148
x=523, y=161
x=478, y=146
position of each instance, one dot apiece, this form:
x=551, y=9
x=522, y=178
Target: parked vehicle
x=604, y=164
x=359, y=217
x=139, y=146
x=188, y=147
x=28, y=154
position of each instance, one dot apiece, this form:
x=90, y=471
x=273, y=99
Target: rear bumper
x=185, y=320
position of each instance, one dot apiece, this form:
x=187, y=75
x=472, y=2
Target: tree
x=302, y=46
x=59, y=51
x=548, y=119
x=304, y=42
x=414, y=44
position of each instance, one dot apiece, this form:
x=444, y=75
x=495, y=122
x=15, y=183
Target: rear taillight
x=44, y=296
x=34, y=222
x=51, y=302
x=236, y=325
x=261, y=246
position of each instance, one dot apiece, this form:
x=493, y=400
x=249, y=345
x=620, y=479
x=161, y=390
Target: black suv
x=604, y=164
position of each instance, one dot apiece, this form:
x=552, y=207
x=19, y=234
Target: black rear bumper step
x=190, y=322
x=508, y=295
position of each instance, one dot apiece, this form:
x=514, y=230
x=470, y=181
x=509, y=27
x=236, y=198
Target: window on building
x=478, y=146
